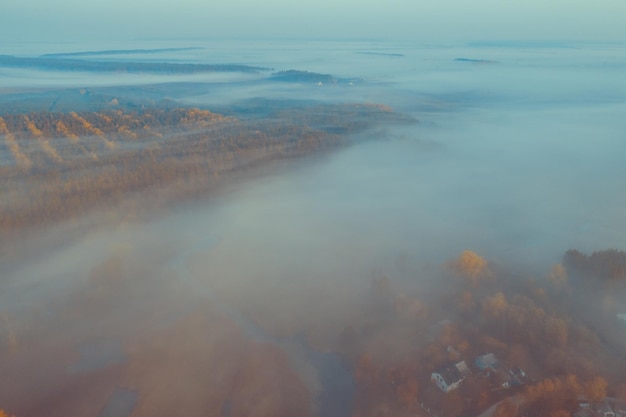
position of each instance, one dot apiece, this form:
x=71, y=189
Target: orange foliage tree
x=496, y=306
x=470, y=265
x=506, y=408
x=595, y=389
x=554, y=397
x=406, y=392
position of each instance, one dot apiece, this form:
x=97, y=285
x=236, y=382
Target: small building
x=463, y=369
x=449, y=378
x=487, y=362
x=519, y=376
x=605, y=409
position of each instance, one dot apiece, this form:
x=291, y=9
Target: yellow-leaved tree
x=471, y=266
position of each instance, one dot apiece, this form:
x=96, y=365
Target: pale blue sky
x=426, y=20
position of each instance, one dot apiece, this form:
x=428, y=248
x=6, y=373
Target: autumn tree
x=595, y=389
x=558, y=277
x=517, y=354
x=470, y=265
x=606, y=264
x=506, y=408
x=365, y=370
x=556, y=331
x=554, y=397
x=495, y=306
x=453, y=405
x=406, y=392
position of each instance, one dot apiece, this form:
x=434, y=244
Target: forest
x=58, y=166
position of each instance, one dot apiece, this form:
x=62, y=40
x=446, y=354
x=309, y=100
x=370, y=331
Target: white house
x=450, y=377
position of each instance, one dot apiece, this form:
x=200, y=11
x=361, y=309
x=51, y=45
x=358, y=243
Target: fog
x=517, y=157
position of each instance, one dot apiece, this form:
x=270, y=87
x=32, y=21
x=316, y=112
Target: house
x=447, y=379
x=487, y=362
x=609, y=407
x=604, y=409
x=450, y=377
x=519, y=376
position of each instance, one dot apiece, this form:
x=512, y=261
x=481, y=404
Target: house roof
x=463, y=369
x=486, y=361
x=450, y=374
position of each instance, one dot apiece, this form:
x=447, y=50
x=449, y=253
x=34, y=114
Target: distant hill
x=121, y=52
x=64, y=64
x=475, y=61
x=296, y=76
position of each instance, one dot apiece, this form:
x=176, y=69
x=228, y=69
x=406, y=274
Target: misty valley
x=323, y=229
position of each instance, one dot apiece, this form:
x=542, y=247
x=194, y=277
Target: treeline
x=121, y=52
x=60, y=165
x=296, y=76
x=607, y=264
x=472, y=308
